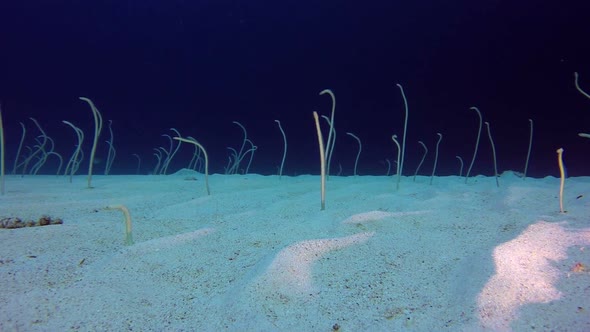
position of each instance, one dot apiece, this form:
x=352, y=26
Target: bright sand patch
x=377, y=215
x=290, y=272
x=526, y=272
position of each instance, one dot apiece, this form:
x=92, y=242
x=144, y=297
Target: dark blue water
x=199, y=65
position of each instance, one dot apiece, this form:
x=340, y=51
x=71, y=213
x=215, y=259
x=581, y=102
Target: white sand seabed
x=259, y=255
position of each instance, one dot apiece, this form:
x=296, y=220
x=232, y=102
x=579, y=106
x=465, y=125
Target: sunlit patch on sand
x=167, y=241
x=290, y=272
x=526, y=272
x=377, y=215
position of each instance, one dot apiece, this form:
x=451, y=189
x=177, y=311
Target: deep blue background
x=199, y=65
